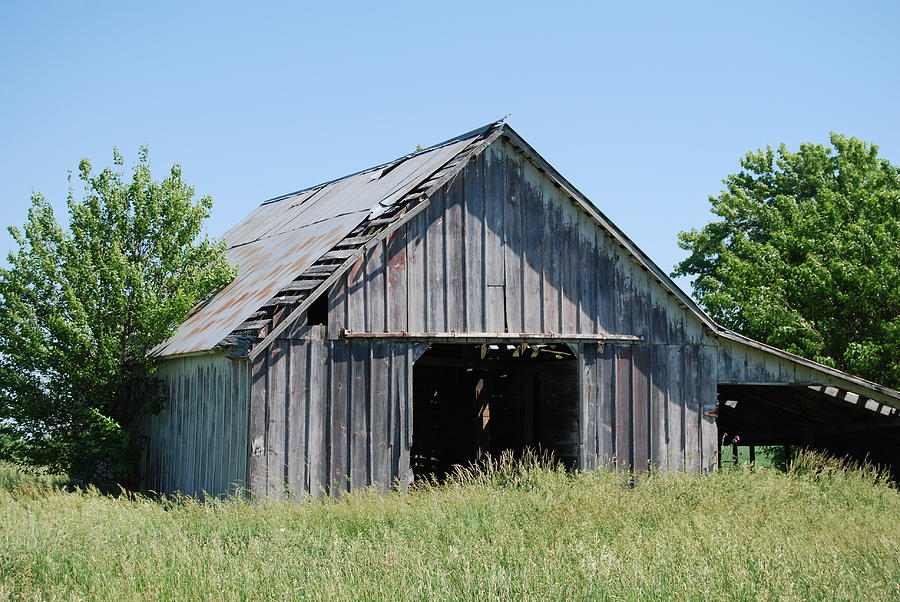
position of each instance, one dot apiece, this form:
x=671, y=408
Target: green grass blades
x=510, y=531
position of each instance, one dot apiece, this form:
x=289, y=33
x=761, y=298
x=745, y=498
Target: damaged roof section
x=285, y=236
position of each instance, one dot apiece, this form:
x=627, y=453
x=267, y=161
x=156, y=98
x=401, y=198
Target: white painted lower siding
x=198, y=443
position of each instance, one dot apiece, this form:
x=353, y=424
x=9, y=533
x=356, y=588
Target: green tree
x=81, y=306
x=805, y=255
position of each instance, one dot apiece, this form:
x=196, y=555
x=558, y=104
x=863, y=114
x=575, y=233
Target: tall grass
x=511, y=530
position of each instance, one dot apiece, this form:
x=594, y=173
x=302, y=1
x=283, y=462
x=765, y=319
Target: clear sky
x=644, y=107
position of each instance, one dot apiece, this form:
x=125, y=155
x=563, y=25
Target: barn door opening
x=471, y=402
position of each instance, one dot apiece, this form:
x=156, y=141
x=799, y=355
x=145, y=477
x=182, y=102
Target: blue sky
x=645, y=107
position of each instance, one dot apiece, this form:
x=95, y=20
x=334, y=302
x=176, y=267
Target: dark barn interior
x=472, y=402
x=827, y=419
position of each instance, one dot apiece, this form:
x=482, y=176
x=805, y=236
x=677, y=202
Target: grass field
x=512, y=531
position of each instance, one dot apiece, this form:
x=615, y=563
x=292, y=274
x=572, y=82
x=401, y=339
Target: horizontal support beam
x=482, y=337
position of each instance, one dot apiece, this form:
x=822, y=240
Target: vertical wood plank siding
x=353, y=401
x=198, y=443
x=501, y=248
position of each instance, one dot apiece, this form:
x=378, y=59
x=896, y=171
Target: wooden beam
x=481, y=337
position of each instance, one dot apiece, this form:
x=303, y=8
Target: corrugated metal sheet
x=283, y=237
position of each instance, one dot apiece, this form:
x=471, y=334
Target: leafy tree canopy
x=81, y=306
x=805, y=255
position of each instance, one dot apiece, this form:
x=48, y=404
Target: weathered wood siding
x=198, y=443
x=648, y=406
x=328, y=416
x=742, y=364
x=502, y=248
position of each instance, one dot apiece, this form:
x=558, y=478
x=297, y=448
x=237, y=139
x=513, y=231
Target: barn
x=455, y=303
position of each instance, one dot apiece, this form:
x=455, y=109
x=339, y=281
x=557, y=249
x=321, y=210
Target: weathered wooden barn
x=457, y=302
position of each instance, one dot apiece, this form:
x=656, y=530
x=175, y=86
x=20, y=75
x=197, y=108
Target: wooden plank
x=640, y=406
x=277, y=399
x=339, y=442
x=337, y=307
x=317, y=419
x=606, y=411
x=297, y=406
x=624, y=297
x=183, y=473
x=494, y=271
x=417, y=283
x=606, y=288
x=588, y=405
x=219, y=433
x=436, y=288
x=569, y=300
x=676, y=363
x=301, y=285
x=513, y=243
x=509, y=337
x=320, y=270
x=375, y=289
x=354, y=241
x=216, y=432
x=587, y=275
x=174, y=450
x=203, y=428
x=455, y=284
x=380, y=415
x=192, y=486
x=551, y=260
x=709, y=433
x=691, y=410
x=532, y=209
x=399, y=355
x=396, y=296
x=360, y=415
x=623, y=424
x=356, y=295
x=405, y=392
x=170, y=447
x=339, y=254
x=659, y=376
x=237, y=479
x=473, y=244
x=226, y=441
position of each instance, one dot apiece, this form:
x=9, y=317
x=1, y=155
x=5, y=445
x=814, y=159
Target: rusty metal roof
x=285, y=235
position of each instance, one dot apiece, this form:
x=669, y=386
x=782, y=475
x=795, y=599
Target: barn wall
x=328, y=416
x=530, y=262
x=742, y=364
x=198, y=442
x=648, y=406
x=502, y=248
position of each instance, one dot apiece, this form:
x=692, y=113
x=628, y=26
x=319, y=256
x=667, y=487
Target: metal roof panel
x=284, y=236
